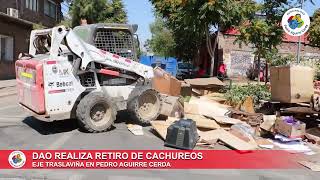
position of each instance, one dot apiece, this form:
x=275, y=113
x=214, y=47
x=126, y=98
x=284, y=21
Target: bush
x=279, y=60
x=315, y=64
x=282, y=60
x=237, y=94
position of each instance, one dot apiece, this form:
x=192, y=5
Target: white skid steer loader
x=64, y=77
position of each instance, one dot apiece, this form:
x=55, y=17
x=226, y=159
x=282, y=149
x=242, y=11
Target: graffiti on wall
x=241, y=61
x=313, y=57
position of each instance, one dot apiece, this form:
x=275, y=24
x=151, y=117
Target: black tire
x=146, y=107
x=96, y=112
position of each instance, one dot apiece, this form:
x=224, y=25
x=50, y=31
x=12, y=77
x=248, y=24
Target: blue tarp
x=169, y=64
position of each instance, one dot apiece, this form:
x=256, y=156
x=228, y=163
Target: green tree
x=95, y=11
x=191, y=20
x=161, y=42
x=119, y=13
x=263, y=31
x=66, y=22
x=314, y=31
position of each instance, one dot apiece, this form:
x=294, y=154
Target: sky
x=141, y=12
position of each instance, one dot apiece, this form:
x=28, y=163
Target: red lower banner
x=147, y=159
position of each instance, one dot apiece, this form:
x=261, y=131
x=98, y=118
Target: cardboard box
x=164, y=83
x=204, y=82
x=291, y=84
x=204, y=86
x=291, y=129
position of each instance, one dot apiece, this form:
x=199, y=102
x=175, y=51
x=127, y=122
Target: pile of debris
x=215, y=123
x=205, y=120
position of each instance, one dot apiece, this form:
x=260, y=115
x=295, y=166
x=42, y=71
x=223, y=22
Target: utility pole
x=299, y=41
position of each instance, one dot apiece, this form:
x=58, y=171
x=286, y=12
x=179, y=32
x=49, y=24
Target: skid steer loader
x=78, y=74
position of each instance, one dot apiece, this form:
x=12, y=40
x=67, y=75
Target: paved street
x=20, y=131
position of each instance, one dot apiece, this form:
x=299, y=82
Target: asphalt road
x=20, y=131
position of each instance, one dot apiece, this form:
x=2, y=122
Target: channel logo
x=17, y=159
x=295, y=22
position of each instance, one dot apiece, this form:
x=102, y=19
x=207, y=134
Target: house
x=17, y=18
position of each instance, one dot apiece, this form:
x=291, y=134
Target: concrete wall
x=20, y=34
x=34, y=16
x=239, y=59
x=20, y=31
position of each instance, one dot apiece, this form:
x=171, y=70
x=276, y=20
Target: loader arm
x=86, y=52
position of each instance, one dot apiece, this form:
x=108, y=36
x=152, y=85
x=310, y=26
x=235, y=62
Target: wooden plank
x=209, y=108
x=191, y=108
x=226, y=120
x=234, y=141
x=213, y=81
x=300, y=110
x=228, y=138
x=209, y=135
x=160, y=127
x=247, y=105
x=203, y=121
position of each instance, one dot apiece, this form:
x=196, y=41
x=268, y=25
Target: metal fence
x=116, y=42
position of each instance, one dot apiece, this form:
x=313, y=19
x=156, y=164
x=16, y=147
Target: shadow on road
x=125, y=117
x=55, y=127
x=47, y=128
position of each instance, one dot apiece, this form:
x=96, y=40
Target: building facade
x=17, y=18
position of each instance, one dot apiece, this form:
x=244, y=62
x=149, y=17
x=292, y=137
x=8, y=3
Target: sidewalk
x=7, y=83
x=8, y=87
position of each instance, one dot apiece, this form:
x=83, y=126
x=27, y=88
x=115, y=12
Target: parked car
x=185, y=71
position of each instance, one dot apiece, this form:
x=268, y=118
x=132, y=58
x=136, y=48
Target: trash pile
x=203, y=120
x=214, y=124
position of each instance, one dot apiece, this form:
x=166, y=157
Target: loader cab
x=118, y=39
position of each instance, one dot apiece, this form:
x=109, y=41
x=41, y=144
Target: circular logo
x=17, y=159
x=295, y=22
